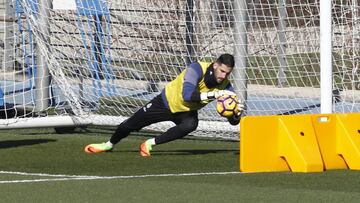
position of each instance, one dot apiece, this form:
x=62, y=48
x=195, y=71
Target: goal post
x=42, y=75
x=326, y=56
x=241, y=48
x=106, y=59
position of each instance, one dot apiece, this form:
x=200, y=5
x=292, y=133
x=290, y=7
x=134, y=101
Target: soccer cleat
x=97, y=148
x=145, y=149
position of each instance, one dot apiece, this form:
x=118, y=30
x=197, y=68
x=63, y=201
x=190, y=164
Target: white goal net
x=98, y=61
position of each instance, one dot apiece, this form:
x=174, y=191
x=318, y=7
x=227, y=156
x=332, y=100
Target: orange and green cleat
x=145, y=149
x=97, y=148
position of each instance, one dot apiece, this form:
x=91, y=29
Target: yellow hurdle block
x=279, y=143
x=348, y=139
x=327, y=133
x=258, y=145
x=298, y=144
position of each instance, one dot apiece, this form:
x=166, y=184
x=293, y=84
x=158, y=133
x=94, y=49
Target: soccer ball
x=227, y=106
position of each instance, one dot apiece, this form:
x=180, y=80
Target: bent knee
x=189, y=125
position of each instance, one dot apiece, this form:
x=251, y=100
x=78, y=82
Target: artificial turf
x=43, y=151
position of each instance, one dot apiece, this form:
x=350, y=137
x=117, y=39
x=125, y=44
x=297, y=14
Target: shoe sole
x=143, y=152
x=91, y=150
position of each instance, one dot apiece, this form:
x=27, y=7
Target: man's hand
x=240, y=107
x=221, y=93
x=215, y=94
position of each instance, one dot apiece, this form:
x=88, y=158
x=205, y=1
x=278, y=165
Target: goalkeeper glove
x=204, y=96
x=240, y=107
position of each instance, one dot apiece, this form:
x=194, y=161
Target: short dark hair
x=226, y=59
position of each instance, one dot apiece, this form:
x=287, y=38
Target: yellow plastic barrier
x=279, y=143
x=258, y=145
x=300, y=143
x=348, y=139
x=328, y=133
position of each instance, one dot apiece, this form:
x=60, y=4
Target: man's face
x=221, y=71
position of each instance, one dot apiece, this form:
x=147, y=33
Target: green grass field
x=42, y=166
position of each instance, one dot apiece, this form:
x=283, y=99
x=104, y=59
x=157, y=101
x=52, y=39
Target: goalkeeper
x=179, y=102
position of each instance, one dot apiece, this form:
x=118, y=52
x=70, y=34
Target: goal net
x=98, y=61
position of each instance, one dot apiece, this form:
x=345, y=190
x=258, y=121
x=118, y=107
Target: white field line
x=60, y=177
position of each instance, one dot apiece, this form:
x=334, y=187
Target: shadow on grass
x=187, y=152
x=194, y=152
x=19, y=143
